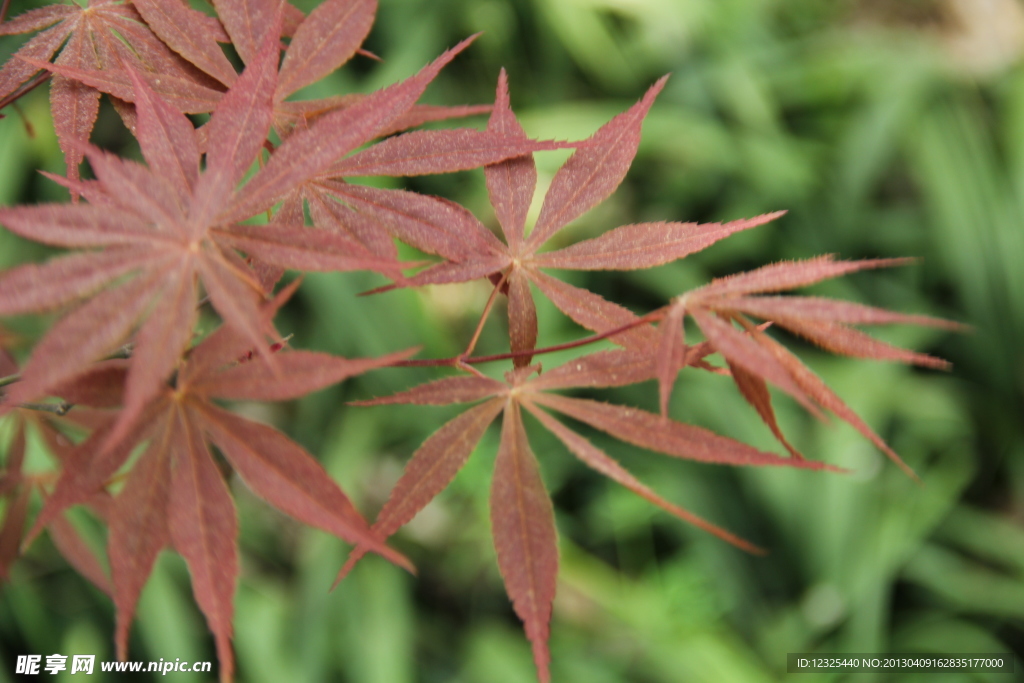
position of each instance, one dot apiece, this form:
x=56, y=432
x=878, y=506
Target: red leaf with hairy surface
x=238, y=129
x=816, y=388
x=656, y=433
x=66, y=279
x=183, y=93
x=307, y=153
x=594, y=171
x=287, y=477
x=755, y=391
x=437, y=151
x=99, y=42
x=84, y=336
x=325, y=40
x=419, y=114
x=442, y=392
x=755, y=359
x=332, y=215
x=159, y=344
x=594, y=312
x=187, y=32
x=74, y=105
x=431, y=224
x=79, y=554
x=521, y=512
x=203, y=528
x=670, y=355
x=645, y=245
x=429, y=471
x=35, y=19
x=292, y=246
x=738, y=348
x=138, y=528
x=170, y=246
x=615, y=368
x=19, y=489
x=510, y=184
x=175, y=493
x=600, y=461
x=246, y=23
x=168, y=141
x=522, y=317
x=523, y=524
x=153, y=243
x=820, y=309
x=784, y=275
x=88, y=467
x=298, y=373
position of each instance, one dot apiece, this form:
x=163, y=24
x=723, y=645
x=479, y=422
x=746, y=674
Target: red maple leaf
x=521, y=513
x=170, y=227
x=591, y=174
x=755, y=359
x=320, y=44
x=105, y=36
x=18, y=487
x=153, y=239
x=175, y=494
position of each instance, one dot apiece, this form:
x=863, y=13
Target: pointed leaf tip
x=525, y=540
x=594, y=171
x=431, y=468
x=239, y=126
x=287, y=477
x=511, y=183
x=185, y=31
x=325, y=40
x=167, y=139
x=601, y=462
x=310, y=152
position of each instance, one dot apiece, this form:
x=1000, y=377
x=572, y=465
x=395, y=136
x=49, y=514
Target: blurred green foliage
x=886, y=128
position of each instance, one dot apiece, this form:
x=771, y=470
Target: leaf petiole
x=487, y=311
x=59, y=409
x=460, y=361
x=25, y=89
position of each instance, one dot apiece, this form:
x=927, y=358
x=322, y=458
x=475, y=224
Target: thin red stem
x=59, y=409
x=25, y=89
x=124, y=352
x=458, y=361
x=30, y=130
x=41, y=479
x=470, y=369
x=483, y=316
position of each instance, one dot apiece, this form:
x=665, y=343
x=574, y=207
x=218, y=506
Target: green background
x=886, y=128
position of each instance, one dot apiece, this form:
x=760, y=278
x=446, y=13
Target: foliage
x=172, y=227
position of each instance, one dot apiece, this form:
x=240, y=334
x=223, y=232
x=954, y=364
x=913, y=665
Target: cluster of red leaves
x=18, y=486
x=153, y=242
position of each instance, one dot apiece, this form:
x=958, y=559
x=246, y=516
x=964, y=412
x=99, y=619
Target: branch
x=26, y=89
x=124, y=352
x=457, y=361
x=59, y=409
x=487, y=311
